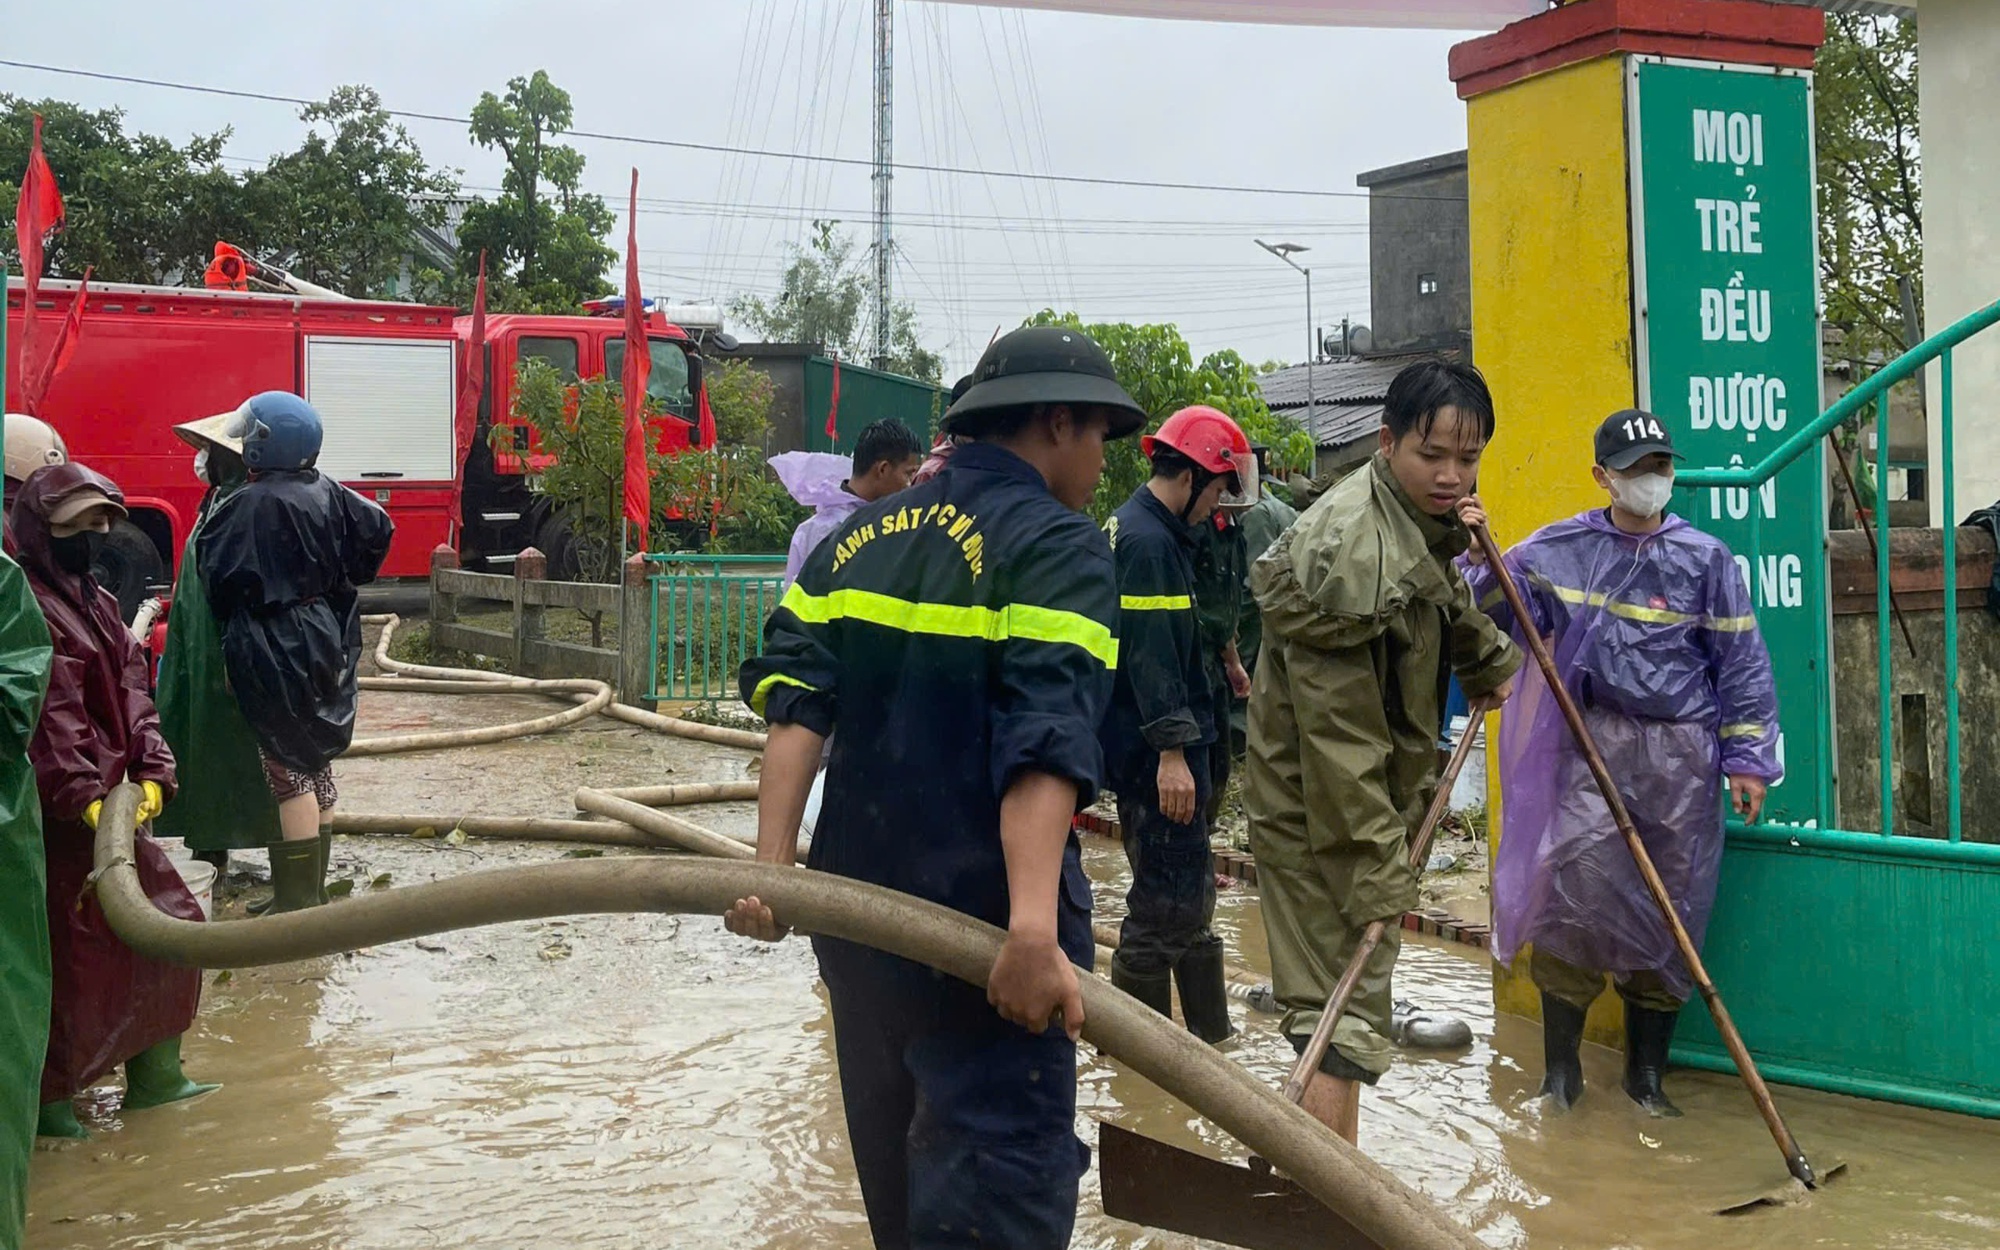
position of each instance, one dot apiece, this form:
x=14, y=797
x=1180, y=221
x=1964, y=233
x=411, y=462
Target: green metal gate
x=708, y=616
x=1863, y=962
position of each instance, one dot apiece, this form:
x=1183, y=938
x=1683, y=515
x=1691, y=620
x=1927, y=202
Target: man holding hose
x=1652, y=628
x=956, y=642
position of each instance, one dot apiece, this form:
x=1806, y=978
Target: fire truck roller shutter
x=387, y=406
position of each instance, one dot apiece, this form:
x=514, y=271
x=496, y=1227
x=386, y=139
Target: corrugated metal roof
x=1338, y=425
x=1340, y=381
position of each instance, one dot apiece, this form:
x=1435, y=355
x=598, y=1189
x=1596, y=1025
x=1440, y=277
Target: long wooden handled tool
x=1371, y=937
x=1795, y=1159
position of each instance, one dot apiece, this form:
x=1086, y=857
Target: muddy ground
x=649, y=1081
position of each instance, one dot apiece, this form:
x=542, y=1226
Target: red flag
x=707, y=430
x=36, y=377
x=833, y=408
x=37, y=214
x=638, y=365
x=471, y=387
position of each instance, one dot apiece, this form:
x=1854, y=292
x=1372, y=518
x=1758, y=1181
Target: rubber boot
x=296, y=877
x=325, y=859
x=1155, y=989
x=1204, y=996
x=58, y=1119
x=153, y=1077
x=1562, y=1047
x=1648, y=1034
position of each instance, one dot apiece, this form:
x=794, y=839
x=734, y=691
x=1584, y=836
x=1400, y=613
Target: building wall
x=1959, y=46
x=1417, y=229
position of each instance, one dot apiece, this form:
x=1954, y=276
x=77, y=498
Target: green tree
x=543, y=237
x=582, y=424
x=824, y=298
x=1870, y=181
x=139, y=208
x=344, y=207
x=1158, y=370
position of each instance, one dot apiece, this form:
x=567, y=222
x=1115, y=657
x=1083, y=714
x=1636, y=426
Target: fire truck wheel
x=129, y=566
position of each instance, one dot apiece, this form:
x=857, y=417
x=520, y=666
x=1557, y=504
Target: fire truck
x=385, y=379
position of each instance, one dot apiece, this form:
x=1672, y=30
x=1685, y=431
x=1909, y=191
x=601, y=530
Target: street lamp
x=1284, y=252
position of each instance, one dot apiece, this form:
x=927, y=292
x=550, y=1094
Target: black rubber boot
x=1204, y=997
x=1648, y=1034
x=1562, y=1051
x=1155, y=989
x=296, y=877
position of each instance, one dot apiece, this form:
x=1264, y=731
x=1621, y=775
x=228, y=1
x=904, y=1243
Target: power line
x=688, y=145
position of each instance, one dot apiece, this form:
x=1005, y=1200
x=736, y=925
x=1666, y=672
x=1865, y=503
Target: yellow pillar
x=1552, y=293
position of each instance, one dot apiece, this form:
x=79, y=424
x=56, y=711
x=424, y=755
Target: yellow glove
x=90, y=813
x=153, y=804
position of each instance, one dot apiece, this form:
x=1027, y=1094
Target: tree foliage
x=342, y=209
x=1158, y=370
x=140, y=207
x=824, y=298
x=1871, y=187
x=543, y=237
x=582, y=424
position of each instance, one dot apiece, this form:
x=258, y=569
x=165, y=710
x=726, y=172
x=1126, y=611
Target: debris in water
x=424, y=832
x=379, y=882
x=341, y=888
x=583, y=852
x=455, y=838
x=1441, y=861
x=558, y=949
x=434, y=947
x=223, y=977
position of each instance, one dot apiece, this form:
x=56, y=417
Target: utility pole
x=1284, y=251
x=885, y=85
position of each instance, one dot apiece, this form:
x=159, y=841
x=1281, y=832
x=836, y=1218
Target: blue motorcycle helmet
x=280, y=432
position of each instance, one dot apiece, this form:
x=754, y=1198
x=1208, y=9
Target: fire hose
x=1360, y=1190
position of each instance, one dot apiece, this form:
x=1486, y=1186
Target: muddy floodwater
x=652, y=1081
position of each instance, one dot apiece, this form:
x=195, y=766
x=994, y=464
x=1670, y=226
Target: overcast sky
x=990, y=88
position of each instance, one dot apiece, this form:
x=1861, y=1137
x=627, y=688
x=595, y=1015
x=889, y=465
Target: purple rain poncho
x=1656, y=638
x=819, y=481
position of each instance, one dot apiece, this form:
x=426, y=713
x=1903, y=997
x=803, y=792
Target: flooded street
x=649, y=1081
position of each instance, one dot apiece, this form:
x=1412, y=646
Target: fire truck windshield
x=667, y=384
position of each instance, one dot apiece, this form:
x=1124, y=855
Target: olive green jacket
x=1361, y=591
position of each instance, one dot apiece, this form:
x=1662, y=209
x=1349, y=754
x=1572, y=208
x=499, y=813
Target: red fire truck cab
x=385, y=379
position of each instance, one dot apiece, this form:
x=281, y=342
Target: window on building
x=1427, y=284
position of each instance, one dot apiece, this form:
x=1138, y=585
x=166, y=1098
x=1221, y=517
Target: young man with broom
x=1365, y=618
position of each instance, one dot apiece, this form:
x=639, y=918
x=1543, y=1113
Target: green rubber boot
x=297, y=878
x=325, y=859
x=153, y=1077
x=58, y=1119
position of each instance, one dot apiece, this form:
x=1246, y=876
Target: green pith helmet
x=1043, y=365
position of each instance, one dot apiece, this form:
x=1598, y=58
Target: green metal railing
x=1874, y=392
x=708, y=617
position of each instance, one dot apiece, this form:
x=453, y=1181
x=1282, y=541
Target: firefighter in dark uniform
x=957, y=642
x=1221, y=574
x=1164, y=720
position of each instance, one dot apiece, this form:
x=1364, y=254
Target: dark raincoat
x=98, y=729
x=24, y=923
x=281, y=560
x=224, y=803
x=1656, y=638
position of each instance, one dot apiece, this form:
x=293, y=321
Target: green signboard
x=1727, y=337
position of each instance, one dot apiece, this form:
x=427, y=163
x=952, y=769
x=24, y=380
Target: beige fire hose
x=1347, y=1181
x=674, y=725
x=516, y=828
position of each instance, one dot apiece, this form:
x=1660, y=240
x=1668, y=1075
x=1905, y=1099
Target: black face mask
x=76, y=553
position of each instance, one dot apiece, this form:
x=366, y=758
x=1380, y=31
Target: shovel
x=1803, y=1176
x=1162, y=1186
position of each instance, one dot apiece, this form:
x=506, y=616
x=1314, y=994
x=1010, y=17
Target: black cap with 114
x=1630, y=436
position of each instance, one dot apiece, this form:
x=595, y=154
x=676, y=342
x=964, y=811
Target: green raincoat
x=24, y=925
x=1363, y=617
x=224, y=803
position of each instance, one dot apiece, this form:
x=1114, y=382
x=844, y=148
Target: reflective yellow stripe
x=1731, y=624
x=951, y=620
x=764, y=687
x=1156, y=603
x=1743, y=731
x=1630, y=611
x=1492, y=600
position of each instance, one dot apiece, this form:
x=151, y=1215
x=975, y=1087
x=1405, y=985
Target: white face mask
x=201, y=465
x=1643, y=496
